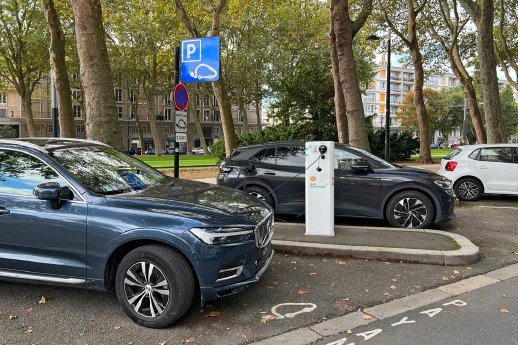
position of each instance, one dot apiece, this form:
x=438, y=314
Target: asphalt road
x=485, y=316
x=330, y=287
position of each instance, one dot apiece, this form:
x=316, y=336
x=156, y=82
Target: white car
x=482, y=169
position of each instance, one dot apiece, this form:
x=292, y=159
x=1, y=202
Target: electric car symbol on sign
x=365, y=185
x=80, y=213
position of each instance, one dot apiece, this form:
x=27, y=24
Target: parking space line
x=503, y=207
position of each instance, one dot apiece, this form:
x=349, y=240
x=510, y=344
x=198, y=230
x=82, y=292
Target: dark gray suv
x=365, y=185
x=80, y=213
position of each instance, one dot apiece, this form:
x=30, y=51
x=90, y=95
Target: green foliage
x=402, y=145
x=7, y=132
x=509, y=111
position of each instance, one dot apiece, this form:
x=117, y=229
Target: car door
x=34, y=238
x=498, y=169
x=357, y=194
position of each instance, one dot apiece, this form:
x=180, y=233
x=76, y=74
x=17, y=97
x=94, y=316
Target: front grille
x=264, y=231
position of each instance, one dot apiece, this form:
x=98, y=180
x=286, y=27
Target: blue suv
x=80, y=213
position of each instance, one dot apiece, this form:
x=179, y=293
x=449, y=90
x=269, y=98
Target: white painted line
x=501, y=207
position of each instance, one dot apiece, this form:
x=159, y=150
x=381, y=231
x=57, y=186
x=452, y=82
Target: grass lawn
x=185, y=160
x=436, y=153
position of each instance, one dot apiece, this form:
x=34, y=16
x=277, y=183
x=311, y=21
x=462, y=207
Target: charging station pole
x=320, y=188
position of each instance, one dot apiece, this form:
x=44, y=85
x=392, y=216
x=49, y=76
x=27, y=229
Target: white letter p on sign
x=191, y=49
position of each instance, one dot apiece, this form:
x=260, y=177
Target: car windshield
x=104, y=170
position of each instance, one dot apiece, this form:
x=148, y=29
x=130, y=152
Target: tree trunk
x=227, y=121
x=474, y=112
x=344, y=36
x=151, y=95
x=59, y=68
x=425, y=153
x=340, y=110
x=258, y=106
x=482, y=13
x=27, y=109
x=102, y=121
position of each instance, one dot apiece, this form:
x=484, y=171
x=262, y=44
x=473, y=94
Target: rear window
x=452, y=154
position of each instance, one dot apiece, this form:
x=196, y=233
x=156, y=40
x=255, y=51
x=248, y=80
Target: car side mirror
x=361, y=166
x=50, y=191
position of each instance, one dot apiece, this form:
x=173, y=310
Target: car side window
x=291, y=156
x=265, y=156
x=496, y=154
x=344, y=159
x=474, y=155
x=21, y=172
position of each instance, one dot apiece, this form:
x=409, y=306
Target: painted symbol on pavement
x=308, y=308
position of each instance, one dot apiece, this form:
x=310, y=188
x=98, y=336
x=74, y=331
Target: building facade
x=129, y=106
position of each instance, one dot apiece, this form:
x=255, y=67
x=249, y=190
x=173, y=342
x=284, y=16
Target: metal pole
x=465, y=122
x=54, y=107
x=387, y=104
x=176, y=82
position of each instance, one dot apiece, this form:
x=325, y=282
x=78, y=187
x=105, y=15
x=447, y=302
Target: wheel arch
x=411, y=188
x=457, y=181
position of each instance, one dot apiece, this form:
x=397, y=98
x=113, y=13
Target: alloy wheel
x=468, y=190
x=410, y=212
x=147, y=289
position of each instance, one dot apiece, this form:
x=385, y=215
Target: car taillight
x=450, y=166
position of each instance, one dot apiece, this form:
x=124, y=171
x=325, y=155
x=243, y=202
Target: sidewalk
x=386, y=244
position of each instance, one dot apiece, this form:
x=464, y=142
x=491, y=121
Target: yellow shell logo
x=312, y=178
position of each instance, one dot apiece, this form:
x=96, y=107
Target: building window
x=198, y=100
x=132, y=113
x=393, y=99
x=382, y=108
x=3, y=112
x=383, y=73
x=77, y=111
x=168, y=99
x=206, y=115
x=406, y=88
x=132, y=129
x=382, y=96
x=76, y=95
x=50, y=128
x=118, y=95
x=206, y=101
x=240, y=116
x=3, y=98
x=131, y=96
x=216, y=132
x=215, y=101
x=371, y=85
x=393, y=75
x=168, y=114
x=119, y=112
x=382, y=85
x=216, y=117
x=369, y=109
x=369, y=97
x=165, y=129
x=80, y=129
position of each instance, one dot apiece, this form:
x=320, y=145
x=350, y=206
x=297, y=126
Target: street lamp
x=387, y=100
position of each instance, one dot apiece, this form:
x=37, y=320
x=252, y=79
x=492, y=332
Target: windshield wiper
x=116, y=191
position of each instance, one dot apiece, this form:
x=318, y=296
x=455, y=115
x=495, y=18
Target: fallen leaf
x=505, y=296
x=456, y=272
x=186, y=341
x=393, y=287
x=340, y=262
x=117, y=327
x=268, y=318
x=43, y=300
x=349, y=331
x=503, y=310
x=445, y=278
x=313, y=274
x=244, y=336
x=367, y=317
x=29, y=330
x=394, y=280
x=387, y=294
x=29, y=310
x=164, y=342
x=302, y=292
x=468, y=268
x=12, y=317
x=213, y=314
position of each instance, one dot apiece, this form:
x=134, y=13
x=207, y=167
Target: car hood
x=204, y=202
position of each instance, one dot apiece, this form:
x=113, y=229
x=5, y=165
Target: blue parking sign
x=199, y=60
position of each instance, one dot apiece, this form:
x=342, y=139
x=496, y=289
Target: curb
x=467, y=254
x=335, y=326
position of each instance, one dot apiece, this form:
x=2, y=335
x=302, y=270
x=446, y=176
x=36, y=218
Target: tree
x=482, y=14
x=59, y=69
x=507, y=39
x=509, y=111
x=23, y=50
x=406, y=25
x=448, y=27
x=219, y=89
x=102, y=122
x=345, y=29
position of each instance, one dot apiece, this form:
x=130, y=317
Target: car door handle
x=269, y=172
x=483, y=167
x=4, y=211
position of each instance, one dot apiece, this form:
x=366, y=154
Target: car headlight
x=221, y=235
x=444, y=183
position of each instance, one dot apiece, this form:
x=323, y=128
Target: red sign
x=181, y=97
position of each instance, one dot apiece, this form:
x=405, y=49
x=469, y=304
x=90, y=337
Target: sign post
x=176, y=159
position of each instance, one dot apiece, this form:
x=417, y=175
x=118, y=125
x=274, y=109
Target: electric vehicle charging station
x=320, y=188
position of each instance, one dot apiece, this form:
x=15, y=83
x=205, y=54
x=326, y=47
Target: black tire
x=159, y=305
x=260, y=193
x=411, y=210
x=468, y=189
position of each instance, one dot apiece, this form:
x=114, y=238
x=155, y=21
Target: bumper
x=251, y=273
x=446, y=209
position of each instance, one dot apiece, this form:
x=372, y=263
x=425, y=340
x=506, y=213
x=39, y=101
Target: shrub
x=402, y=145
